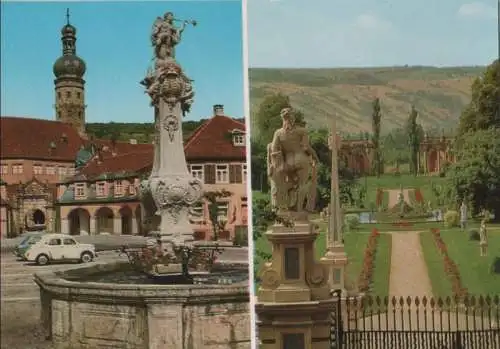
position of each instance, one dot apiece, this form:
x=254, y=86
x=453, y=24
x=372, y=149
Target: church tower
x=69, y=83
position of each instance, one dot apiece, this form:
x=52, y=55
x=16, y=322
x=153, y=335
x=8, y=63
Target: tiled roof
x=212, y=140
x=129, y=162
x=38, y=139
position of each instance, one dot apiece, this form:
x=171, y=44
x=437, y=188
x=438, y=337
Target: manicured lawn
x=389, y=181
x=354, y=245
x=474, y=269
x=441, y=287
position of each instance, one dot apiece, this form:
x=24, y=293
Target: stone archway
x=138, y=220
x=360, y=163
x=38, y=217
x=104, y=220
x=126, y=220
x=433, y=159
x=79, y=222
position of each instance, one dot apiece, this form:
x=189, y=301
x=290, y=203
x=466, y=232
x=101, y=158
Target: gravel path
x=409, y=275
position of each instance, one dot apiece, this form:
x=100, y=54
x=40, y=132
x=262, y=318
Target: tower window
x=79, y=114
x=59, y=114
x=59, y=95
x=78, y=95
x=68, y=94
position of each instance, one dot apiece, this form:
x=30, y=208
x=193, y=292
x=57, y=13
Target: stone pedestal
x=294, y=302
x=335, y=259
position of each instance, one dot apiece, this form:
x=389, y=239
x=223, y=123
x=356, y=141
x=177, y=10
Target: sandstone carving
x=292, y=166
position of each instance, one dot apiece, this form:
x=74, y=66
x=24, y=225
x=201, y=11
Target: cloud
x=372, y=22
x=477, y=10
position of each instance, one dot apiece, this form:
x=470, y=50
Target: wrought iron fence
x=416, y=322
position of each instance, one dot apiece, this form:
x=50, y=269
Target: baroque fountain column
x=170, y=190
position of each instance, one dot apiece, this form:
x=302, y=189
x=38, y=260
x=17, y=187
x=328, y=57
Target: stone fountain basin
x=78, y=314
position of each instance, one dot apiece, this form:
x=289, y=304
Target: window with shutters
x=209, y=174
x=244, y=173
x=222, y=174
x=235, y=173
x=37, y=169
x=79, y=190
x=196, y=171
x=100, y=189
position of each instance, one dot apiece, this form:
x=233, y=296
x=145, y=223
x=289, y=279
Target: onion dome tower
x=69, y=83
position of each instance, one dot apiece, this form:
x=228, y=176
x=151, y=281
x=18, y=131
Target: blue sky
x=342, y=33
x=114, y=41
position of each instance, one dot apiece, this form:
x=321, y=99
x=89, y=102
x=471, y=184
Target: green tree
x=413, y=139
x=377, y=156
x=475, y=175
x=483, y=111
x=267, y=118
x=259, y=166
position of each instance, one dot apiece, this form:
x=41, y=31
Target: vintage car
x=28, y=240
x=59, y=247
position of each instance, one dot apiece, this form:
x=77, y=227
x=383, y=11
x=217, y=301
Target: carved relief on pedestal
x=316, y=276
x=176, y=194
x=269, y=277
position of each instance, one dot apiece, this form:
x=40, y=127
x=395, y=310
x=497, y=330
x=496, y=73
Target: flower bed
x=450, y=266
x=366, y=275
x=402, y=224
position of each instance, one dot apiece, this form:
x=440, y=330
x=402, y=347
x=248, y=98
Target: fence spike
x=394, y=301
x=386, y=301
x=432, y=302
x=440, y=302
x=408, y=301
x=401, y=301
x=378, y=301
x=472, y=301
x=424, y=301
x=480, y=301
x=496, y=300
x=370, y=300
x=488, y=300
x=448, y=301
x=417, y=301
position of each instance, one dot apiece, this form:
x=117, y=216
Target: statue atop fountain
x=170, y=190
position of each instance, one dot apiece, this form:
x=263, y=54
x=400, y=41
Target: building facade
x=53, y=177
x=103, y=197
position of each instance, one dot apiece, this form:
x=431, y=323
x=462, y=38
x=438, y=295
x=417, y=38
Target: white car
x=59, y=247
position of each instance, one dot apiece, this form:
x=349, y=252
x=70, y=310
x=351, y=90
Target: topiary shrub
x=451, y=219
x=474, y=235
x=495, y=266
x=351, y=221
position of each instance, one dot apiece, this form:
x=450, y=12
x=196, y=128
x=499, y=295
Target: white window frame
x=17, y=169
x=37, y=169
x=4, y=169
x=199, y=207
x=239, y=139
x=61, y=171
x=197, y=171
x=100, y=189
x=50, y=170
x=119, y=188
x=223, y=206
x=243, y=173
x=221, y=173
x=80, y=190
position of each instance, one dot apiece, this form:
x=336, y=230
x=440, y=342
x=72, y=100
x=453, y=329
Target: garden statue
x=401, y=203
x=463, y=215
x=483, y=238
x=292, y=166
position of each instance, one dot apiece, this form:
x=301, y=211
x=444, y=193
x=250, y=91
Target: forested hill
x=439, y=94
x=141, y=132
